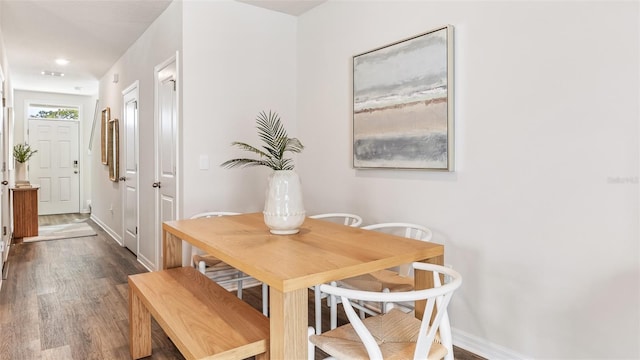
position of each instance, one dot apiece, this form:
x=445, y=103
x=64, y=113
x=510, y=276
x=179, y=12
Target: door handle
x=122, y=178
x=5, y=182
x=156, y=184
x=75, y=171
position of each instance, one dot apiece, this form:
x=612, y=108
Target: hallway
x=67, y=299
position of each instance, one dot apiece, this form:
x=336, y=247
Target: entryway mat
x=63, y=231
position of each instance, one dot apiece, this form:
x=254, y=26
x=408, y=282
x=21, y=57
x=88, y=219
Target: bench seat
x=203, y=320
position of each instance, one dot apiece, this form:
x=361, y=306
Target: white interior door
x=5, y=219
x=55, y=167
x=166, y=131
x=130, y=176
x=4, y=193
x=5, y=238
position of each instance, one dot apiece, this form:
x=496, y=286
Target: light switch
x=204, y=162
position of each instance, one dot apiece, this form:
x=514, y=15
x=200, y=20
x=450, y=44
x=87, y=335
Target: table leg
x=424, y=280
x=289, y=323
x=171, y=250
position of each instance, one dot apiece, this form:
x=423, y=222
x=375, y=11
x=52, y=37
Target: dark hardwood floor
x=67, y=299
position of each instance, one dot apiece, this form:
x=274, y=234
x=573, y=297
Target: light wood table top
x=321, y=252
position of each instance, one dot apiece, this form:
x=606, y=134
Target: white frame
x=81, y=181
x=156, y=119
x=382, y=103
x=132, y=90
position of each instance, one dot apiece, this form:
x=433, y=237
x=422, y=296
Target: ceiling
x=291, y=7
x=91, y=34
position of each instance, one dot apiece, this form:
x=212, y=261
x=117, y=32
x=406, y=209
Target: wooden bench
x=203, y=320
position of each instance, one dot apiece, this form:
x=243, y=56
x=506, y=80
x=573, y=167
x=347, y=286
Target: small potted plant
x=22, y=153
x=283, y=208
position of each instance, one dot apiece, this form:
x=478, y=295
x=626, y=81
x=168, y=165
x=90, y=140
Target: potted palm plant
x=22, y=153
x=283, y=208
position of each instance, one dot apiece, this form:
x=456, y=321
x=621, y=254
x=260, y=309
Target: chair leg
x=318, y=305
x=311, y=349
x=362, y=313
x=385, y=307
x=445, y=336
x=265, y=299
x=240, y=275
x=333, y=307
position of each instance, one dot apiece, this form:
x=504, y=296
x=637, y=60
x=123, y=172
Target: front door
x=130, y=176
x=55, y=167
x=166, y=143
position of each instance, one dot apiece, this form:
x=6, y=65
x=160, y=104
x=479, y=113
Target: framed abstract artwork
x=403, y=104
x=113, y=150
x=104, y=134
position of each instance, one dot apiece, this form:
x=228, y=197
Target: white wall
x=86, y=105
x=159, y=42
x=238, y=60
x=541, y=214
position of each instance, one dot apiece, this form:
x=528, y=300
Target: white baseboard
x=484, y=348
x=108, y=230
x=146, y=262
x=141, y=259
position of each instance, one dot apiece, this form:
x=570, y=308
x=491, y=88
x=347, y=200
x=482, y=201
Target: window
x=53, y=112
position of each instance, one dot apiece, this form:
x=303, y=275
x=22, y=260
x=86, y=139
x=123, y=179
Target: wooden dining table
x=321, y=252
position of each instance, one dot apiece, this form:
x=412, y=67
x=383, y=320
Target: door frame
x=72, y=123
x=81, y=167
x=5, y=232
x=156, y=133
x=7, y=212
x=135, y=89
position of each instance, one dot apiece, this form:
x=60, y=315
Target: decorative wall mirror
x=113, y=150
x=104, y=134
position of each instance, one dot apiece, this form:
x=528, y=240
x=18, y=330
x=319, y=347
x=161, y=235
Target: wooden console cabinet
x=25, y=212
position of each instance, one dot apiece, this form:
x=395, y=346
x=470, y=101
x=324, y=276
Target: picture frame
x=403, y=104
x=93, y=124
x=113, y=150
x=8, y=138
x=104, y=134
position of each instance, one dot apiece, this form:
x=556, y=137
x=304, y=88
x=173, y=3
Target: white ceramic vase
x=283, y=207
x=21, y=171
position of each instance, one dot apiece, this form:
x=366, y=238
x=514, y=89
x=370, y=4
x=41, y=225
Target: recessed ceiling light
x=62, y=61
x=51, y=73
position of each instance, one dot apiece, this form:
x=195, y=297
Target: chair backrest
x=209, y=214
x=437, y=300
x=344, y=218
x=408, y=230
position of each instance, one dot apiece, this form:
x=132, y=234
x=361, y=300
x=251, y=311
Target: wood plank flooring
x=67, y=299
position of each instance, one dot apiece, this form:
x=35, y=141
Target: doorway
x=129, y=179
x=56, y=166
x=166, y=134
x=5, y=235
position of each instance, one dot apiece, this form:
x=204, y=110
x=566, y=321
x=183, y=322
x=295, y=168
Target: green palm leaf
x=276, y=143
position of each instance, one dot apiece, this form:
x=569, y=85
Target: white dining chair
x=391, y=280
x=224, y=274
x=340, y=218
x=394, y=334
x=343, y=218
